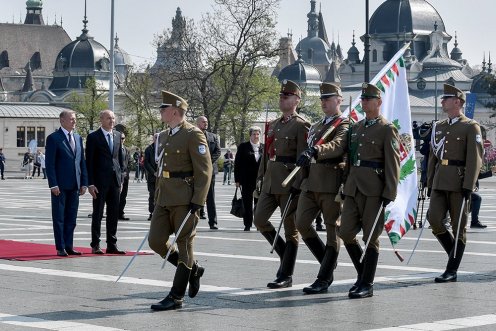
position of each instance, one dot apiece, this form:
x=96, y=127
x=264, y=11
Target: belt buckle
x=444, y=162
x=165, y=174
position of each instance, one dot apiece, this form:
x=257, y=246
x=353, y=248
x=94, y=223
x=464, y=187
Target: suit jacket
x=185, y=151
x=245, y=165
x=64, y=168
x=214, y=148
x=462, y=142
x=375, y=143
x=104, y=167
x=127, y=161
x=150, y=164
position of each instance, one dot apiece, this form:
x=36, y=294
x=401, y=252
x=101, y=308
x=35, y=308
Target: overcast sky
x=137, y=22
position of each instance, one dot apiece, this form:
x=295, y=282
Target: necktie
x=71, y=142
x=111, y=145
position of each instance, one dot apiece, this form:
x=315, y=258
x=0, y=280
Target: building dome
x=415, y=16
x=314, y=50
x=79, y=60
x=122, y=60
x=301, y=73
x=34, y=4
x=441, y=63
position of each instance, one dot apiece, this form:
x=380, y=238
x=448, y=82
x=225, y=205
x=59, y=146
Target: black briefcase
x=237, y=208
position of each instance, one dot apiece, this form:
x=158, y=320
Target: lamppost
x=367, y=43
x=112, y=35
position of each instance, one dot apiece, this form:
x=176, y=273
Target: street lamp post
x=367, y=43
x=112, y=34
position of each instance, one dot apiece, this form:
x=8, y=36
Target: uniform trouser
x=166, y=221
x=359, y=213
x=442, y=202
x=267, y=204
x=309, y=205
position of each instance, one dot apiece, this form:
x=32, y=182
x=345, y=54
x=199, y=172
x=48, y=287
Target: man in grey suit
x=67, y=180
x=105, y=163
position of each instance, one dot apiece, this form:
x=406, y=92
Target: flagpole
x=367, y=44
x=112, y=69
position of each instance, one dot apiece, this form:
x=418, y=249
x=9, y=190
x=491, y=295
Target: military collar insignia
x=371, y=122
x=329, y=119
x=174, y=130
x=286, y=119
x=452, y=121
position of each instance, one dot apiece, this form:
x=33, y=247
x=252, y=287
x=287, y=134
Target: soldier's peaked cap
x=451, y=91
x=370, y=91
x=170, y=99
x=329, y=90
x=290, y=87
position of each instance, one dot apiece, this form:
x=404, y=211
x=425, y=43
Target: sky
x=137, y=22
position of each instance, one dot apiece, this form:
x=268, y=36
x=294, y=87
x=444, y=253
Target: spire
x=116, y=39
x=29, y=81
x=484, y=62
x=313, y=21
x=456, y=53
x=61, y=20
x=353, y=52
x=489, y=64
x=333, y=74
x=34, y=16
x=85, y=21
x=321, y=28
x=456, y=40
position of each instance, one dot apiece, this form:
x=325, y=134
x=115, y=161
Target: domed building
x=305, y=75
x=122, y=61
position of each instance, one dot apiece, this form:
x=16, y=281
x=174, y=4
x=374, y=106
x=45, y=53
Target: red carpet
x=24, y=251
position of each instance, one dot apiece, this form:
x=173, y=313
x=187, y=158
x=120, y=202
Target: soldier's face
x=371, y=106
x=288, y=102
x=166, y=114
x=330, y=105
x=450, y=105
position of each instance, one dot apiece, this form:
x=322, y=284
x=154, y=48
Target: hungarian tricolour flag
x=400, y=215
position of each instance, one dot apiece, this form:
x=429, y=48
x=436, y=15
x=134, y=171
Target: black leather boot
x=285, y=277
x=325, y=276
x=447, y=241
x=173, y=258
x=279, y=247
x=355, y=251
x=453, y=263
x=175, y=298
x=366, y=286
x=317, y=247
x=194, y=279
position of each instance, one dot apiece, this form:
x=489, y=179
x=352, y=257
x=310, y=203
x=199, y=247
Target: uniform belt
x=457, y=163
x=369, y=164
x=177, y=174
x=284, y=159
x=336, y=160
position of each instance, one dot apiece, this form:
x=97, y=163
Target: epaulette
x=301, y=117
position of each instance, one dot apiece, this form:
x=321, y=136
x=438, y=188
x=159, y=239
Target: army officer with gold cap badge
x=285, y=141
x=322, y=182
x=374, y=169
x=183, y=177
x=454, y=165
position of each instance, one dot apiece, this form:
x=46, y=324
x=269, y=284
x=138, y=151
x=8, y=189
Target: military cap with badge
x=450, y=91
x=288, y=87
x=370, y=91
x=170, y=99
x=328, y=90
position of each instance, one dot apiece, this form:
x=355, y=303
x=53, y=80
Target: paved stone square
x=81, y=293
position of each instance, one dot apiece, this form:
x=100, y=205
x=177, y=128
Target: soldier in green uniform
x=374, y=169
x=454, y=165
x=285, y=141
x=183, y=177
x=323, y=178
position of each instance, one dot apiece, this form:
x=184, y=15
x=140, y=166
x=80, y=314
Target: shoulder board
x=300, y=117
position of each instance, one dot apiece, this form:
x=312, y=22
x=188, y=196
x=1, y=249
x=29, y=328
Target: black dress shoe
x=61, y=252
x=194, y=280
x=213, y=227
x=150, y=217
x=203, y=217
x=319, y=286
x=70, y=251
x=447, y=276
x=96, y=250
x=319, y=227
x=363, y=291
x=477, y=225
x=281, y=282
x=114, y=250
x=247, y=228
x=168, y=303
x=123, y=218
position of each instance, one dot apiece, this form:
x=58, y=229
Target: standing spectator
x=37, y=163
x=136, y=158
x=27, y=162
x=67, y=179
x=151, y=173
x=214, y=149
x=105, y=163
x=2, y=163
x=228, y=165
x=43, y=164
x=246, y=165
x=476, y=200
x=125, y=178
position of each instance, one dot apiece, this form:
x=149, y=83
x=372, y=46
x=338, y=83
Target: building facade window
x=4, y=59
x=30, y=133
x=374, y=55
x=40, y=136
x=21, y=136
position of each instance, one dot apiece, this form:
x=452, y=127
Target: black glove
x=466, y=193
x=306, y=156
x=294, y=191
x=429, y=191
x=193, y=207
x=385, y=202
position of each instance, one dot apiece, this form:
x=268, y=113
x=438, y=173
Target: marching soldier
x=374, y=169
x=183, y=177
x=322, y=184
x=456, y=147
x=286, y=140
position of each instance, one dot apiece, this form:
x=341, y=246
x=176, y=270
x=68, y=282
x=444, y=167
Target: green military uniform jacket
x=462, y=142
x=325, y=175
x=378, y=143
x=285, y=139
x=185, y=151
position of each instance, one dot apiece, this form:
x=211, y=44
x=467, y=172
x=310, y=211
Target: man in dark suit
x=151, y=170
x=105, y=163
x=67, y=180
x=214, y=148
x=246, y=165
x=125, y=180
